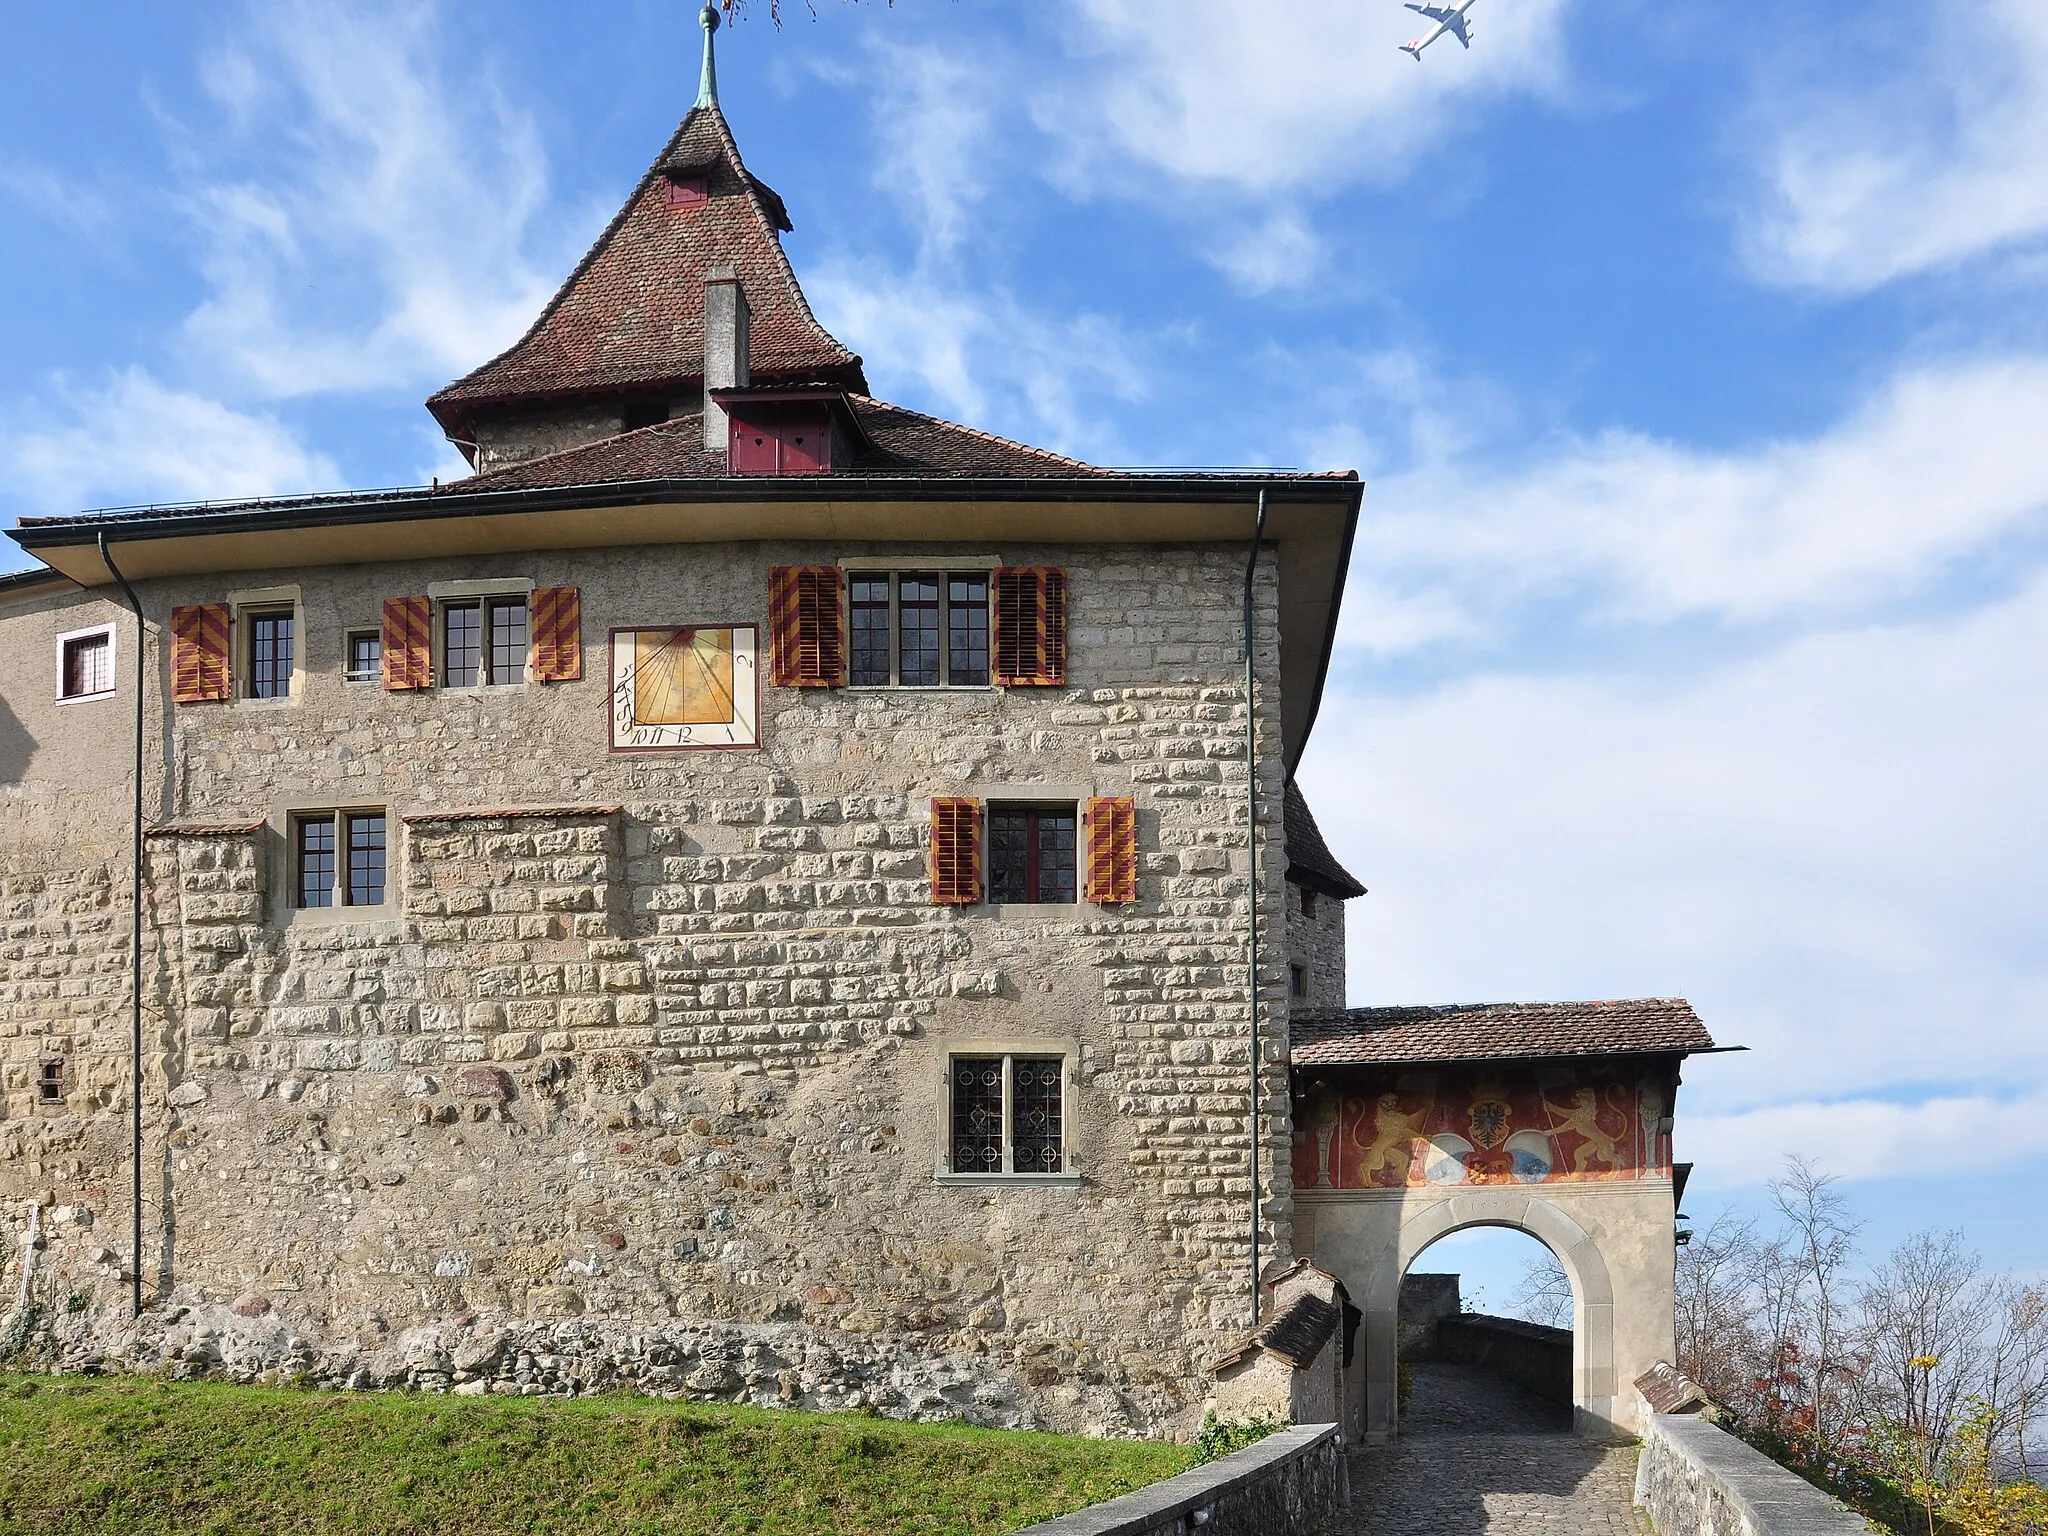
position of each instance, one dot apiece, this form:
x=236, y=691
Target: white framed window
x=917, y=629
x=85, y=664
x=1006, y=1115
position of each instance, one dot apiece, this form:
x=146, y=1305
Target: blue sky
x=1698, y=366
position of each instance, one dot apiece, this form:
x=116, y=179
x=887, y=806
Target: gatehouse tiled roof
x=1494, y=1031
x=1309, y=860
x=631, y=315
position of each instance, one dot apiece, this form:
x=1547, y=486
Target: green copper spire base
x=707, y=87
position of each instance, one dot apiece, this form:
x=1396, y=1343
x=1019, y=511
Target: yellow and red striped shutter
x=1030, y=622
x=408, y=643
x=199, y=654
x=557, y=634
x=805, y=627
x=1112, y=850
x=956, y=851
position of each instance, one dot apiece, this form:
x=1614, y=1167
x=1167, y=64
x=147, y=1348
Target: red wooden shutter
x=199, y=654
x=557, y=634
x=408, y=643
x=805, y=626
x=1112, y=850
x=1030, y=645
x=956, y=851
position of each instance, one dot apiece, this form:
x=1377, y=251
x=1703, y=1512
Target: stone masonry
x=638, y=1076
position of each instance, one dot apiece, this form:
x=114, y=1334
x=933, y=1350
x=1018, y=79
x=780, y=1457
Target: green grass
x=136, y=1454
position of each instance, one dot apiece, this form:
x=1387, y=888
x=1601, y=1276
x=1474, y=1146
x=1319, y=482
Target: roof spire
x=707, y=87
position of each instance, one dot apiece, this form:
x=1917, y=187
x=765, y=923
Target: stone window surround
x=280, y=856
x=990, y=792
x=244, y=604
x=480, y=590
x=896, y=566
x=1069, y=1053
x=113, y=662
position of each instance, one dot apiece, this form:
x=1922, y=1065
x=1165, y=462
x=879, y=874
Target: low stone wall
x=1291, y=1483
x=1539, y=1358
x=1696, y=1479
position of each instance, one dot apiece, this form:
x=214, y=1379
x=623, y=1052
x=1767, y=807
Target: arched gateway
x=1554, y=1119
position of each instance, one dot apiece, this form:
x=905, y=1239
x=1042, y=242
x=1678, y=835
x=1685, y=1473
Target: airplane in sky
x=1448, y=18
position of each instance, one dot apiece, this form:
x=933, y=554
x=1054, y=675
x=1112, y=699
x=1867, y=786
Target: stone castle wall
x=1316, y=944
x=648, y=1085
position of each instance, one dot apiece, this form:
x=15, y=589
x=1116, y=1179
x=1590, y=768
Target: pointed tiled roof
x=1309, y=860
x=631, y=316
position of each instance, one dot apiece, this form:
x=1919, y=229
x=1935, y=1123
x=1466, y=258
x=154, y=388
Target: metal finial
x=707, y=87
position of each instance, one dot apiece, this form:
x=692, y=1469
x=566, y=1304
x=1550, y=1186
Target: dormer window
x=785, y=443
x=688, y=191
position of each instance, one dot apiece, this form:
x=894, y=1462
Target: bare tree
x=1926, y=1323
x=1815, y=1358
x=1715, y=1302
x=2015, y=1372
x=1544, y=1293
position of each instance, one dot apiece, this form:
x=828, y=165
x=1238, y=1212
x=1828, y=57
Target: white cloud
x=133, y=440
x=1837, y=848
x=933, y=124
x=1283, y=98
x=1870, y=1138
x=1942, y=157
x=1935, y=468
x=383, y=239
x=980, y=357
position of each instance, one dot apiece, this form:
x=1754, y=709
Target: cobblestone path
x=1481, y=1455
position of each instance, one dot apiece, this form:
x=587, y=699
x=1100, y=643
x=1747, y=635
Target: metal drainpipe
x=134, y=953
x=1251, y=781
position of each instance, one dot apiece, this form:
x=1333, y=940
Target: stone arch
x=1425, y=1221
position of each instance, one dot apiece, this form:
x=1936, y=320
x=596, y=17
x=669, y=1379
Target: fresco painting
x=1396, y=1130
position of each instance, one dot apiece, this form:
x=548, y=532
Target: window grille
x=88, y=666
x=1007, y=1115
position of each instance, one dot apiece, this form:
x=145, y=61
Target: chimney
x=725, y=348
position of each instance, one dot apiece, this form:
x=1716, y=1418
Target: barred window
x=1031, y=854
x=1007, y=1115
x=270, y=655
x=86, y=665
x=918, y=629
x=339, y=859
x=50, y=1083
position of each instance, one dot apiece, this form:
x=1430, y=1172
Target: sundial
x=685, y=687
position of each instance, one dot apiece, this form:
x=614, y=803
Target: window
x=1308, y=902
x=919, y=629
x=270, y=654
x=1006, y=1115
x=1031, y=854
x=484, y=643
x=1297, y=981
x=365, y=653
x=85, y=664
x=636, y=414
x=338, y=859
x=50, y=1083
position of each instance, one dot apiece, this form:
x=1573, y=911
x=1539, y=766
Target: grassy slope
x=124, y=1455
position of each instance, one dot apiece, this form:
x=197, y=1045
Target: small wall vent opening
x=50, y=1083
x=1297, y=981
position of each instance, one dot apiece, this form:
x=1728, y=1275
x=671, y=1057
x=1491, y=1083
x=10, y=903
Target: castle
x=750, y=893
